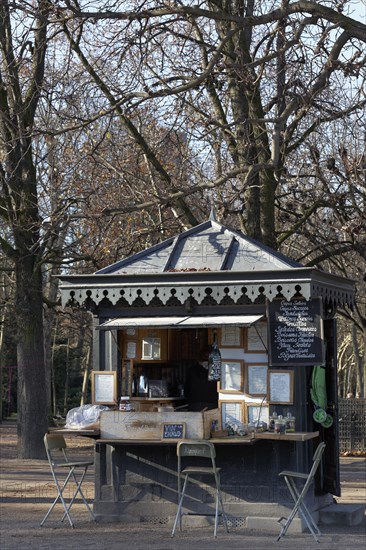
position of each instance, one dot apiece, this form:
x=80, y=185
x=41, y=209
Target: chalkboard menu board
x=295, y=332
x=174, y=430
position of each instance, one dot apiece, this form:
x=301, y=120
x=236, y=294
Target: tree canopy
x=123, y=122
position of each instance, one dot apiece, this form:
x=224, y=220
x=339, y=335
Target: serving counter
x=136, y=477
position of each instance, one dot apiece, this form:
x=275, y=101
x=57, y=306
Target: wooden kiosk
x=273, y=320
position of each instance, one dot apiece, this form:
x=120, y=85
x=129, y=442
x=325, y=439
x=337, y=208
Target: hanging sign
x=295, y=332
x=214, y=363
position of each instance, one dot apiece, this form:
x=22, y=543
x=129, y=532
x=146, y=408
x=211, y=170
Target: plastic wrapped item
x=85, y=417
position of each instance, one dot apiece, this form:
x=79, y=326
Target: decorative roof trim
x=147, y=295
x=214, y=287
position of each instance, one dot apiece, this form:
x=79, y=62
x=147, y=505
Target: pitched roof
x=209, y=246
x=223, y=265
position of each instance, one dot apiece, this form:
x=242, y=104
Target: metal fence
x=352, y=425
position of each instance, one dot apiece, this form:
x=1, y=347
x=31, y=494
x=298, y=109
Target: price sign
x=174, y=430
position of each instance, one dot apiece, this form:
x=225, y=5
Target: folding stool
x=56, y=442
x=199, y=449
x=299, y=495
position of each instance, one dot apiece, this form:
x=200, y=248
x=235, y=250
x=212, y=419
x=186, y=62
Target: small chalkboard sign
x=174, y=430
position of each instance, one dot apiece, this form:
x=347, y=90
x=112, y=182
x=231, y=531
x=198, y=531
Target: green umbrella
x=318, y=394
x=318, y=389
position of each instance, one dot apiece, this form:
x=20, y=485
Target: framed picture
x=231, y=337
x=257, y=412
x=281, y=386
x=256, y=379
x=104, y=387
x=256, y=337
x=231, y=412
x=232, y=376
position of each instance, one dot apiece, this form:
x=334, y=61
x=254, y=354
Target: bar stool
x=199, y=449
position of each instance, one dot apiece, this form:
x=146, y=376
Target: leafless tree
x=233, y=103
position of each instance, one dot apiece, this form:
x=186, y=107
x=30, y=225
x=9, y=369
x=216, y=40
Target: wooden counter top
x=229, y=440
x=294, y=436
x=233, y=440
x=93, y=434
x=160, y=442
x=252, y=438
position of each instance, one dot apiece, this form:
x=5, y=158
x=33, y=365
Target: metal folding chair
x=299, y=495
x=55, y=444
x=198, y=449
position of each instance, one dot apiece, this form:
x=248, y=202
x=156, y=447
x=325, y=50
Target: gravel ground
x=27, y=490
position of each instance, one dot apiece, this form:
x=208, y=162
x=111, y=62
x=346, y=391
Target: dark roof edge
x=209, y=277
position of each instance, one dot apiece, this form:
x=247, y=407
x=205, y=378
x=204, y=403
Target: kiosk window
x=151, y=347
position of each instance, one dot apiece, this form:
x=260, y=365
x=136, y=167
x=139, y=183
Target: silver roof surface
x=209, y=246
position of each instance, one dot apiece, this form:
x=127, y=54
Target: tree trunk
x=67, y=377
x=49, y=340
x=21, y=84
x=359, y=360
x=32, y=392
x=2, y=363
x=248, y=144
x=52, y=372
x=88, y=368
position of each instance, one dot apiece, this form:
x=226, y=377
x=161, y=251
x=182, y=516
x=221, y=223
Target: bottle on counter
x=290, y=423
x=272, y=420
x=280, y=425
x=125, y=404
